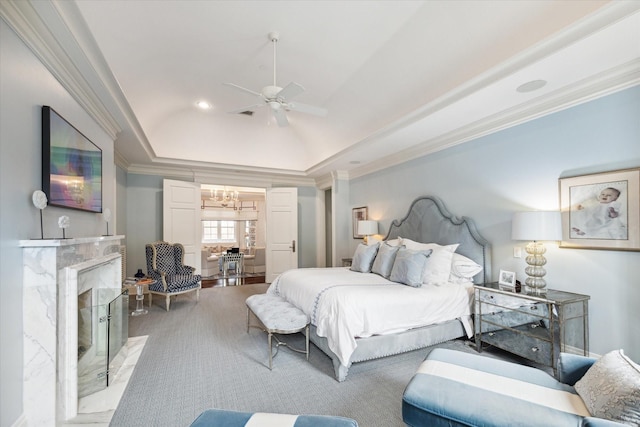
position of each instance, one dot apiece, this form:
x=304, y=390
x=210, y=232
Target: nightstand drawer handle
x=535, y=349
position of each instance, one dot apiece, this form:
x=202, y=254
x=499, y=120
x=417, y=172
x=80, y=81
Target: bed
x=345, y=306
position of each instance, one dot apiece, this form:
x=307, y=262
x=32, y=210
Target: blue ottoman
x=453, y=388
x=224, y=418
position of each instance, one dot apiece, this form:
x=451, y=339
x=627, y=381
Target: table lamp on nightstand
x=536, y=227
x=366, y=229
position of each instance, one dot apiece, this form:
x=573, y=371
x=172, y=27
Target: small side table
x=142, y=287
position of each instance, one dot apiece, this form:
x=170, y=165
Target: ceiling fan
x=278, y=99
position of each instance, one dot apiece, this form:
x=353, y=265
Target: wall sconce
x=536, y=226
x=366, y=229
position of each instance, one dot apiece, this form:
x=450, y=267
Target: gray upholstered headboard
x=429, y=221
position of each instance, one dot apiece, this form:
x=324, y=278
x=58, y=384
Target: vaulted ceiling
x=399, y=79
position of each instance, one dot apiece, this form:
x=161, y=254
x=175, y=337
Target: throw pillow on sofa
x=611, y=388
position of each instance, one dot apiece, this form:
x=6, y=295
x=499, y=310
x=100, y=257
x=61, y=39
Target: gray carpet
x=199, y=356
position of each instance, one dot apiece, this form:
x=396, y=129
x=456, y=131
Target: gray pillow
x=408, y=267
x=610, y=388
x=384, y=260
x=363, y=258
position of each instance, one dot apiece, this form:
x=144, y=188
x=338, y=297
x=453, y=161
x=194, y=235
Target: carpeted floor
x=200, y=356
x=232, y=280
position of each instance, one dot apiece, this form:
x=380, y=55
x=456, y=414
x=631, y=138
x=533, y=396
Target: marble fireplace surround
x=54, y=273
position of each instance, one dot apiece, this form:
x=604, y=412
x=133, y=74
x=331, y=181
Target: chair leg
x=198, y=295
x=270, y=352
x=168, y=301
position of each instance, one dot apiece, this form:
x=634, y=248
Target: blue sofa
x=453, y=388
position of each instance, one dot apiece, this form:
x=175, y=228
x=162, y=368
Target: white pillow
x=438, y=266
x=394, y=242
x=463, y=268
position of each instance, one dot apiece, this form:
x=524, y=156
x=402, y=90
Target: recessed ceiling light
x=355, y=162
x=531, y=86
x=203, y=105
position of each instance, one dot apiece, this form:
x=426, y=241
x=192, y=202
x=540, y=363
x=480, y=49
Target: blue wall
x=517, y=169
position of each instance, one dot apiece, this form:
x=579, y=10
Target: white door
x=181, y=218
x=282, y=231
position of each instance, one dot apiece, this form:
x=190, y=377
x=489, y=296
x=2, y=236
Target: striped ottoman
x=223, y=418
x=454, y=388
x=277, y=316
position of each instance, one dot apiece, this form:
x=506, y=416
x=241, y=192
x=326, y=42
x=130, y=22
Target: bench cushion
x=224, y=418
x=456, y=388
x=277, y=314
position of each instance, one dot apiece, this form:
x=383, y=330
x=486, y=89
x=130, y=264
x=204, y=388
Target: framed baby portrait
x=601, y=210
x=358, y=214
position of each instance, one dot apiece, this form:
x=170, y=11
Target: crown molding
x=208, y=175
x=607, y=83
x=42, y=27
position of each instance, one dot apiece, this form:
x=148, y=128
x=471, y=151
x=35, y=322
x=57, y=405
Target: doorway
x=232, y=219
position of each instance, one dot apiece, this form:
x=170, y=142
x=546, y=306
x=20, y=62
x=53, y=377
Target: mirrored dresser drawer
x=537, y=328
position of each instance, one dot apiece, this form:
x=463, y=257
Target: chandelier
x=225, y=198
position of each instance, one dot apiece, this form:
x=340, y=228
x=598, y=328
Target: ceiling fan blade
x=309, y=109
x=281, y=117
x=244, y=89
x=289, y=91
x=247, y=108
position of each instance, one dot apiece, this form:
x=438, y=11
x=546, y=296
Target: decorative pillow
x=409, y=266
x=438, y=266
x=384, y=260
x=611, y=388
x=463, y=268
x=363, y=258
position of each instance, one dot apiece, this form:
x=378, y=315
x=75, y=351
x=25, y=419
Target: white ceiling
x=400, y=79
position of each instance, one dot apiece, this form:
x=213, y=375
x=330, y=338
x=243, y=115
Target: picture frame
x=601, y=210
x=507, y=280
x=71, y=165
x=358, y=214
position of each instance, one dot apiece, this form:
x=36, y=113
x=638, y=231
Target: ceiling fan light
x=275, y=105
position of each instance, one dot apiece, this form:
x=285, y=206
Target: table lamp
x=536, y=226
x=367, y=228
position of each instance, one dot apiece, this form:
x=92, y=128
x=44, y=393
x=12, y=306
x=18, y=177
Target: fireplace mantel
x=50, y=278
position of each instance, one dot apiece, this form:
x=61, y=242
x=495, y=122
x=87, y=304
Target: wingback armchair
x=165, y=264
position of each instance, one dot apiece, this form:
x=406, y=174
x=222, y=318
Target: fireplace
x=74, y=315
x=85, y=323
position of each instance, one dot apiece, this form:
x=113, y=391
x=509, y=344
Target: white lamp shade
x=367, y=228
x=538, y=225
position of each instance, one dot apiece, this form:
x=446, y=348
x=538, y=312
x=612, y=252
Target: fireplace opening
x=85, y=323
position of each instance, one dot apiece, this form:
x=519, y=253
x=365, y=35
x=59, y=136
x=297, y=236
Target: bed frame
x=428, y=221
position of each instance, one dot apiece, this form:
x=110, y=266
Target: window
x=218, y=231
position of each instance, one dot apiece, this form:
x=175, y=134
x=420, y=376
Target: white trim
x=262, y=419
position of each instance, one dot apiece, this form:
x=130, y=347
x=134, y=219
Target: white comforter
x=345, y=305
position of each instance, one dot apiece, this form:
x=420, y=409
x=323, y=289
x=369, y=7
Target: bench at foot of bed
x=277, y=316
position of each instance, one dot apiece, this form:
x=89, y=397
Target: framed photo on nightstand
x=507, y=281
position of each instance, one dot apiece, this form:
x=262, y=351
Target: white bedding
x=345, y=305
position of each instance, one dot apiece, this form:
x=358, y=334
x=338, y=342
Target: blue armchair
x=165, y=264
